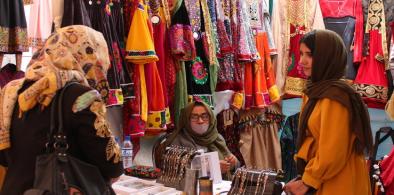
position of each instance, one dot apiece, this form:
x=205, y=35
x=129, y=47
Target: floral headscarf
x=73, y=53
x=76, y=53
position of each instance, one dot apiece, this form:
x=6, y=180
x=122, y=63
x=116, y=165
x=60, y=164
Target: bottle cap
x=127, y=138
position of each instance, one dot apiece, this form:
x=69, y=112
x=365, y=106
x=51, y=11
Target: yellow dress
x=333, y=166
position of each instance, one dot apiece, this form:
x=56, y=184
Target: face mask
x=200, y=128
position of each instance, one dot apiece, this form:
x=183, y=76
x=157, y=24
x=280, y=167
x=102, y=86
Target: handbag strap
x=56, y=137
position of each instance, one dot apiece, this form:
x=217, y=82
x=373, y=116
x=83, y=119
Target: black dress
x=13, y=27
x=29, y=135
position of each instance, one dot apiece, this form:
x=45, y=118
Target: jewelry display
x=175, y=161
x=254, y=181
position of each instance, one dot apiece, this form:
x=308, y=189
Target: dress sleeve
x=92, y=136
x=335, y=142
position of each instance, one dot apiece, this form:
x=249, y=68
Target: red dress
x=371, y=80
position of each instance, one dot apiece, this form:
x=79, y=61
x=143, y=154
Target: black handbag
x=59, y=173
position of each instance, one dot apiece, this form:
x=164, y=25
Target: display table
x=134, y=186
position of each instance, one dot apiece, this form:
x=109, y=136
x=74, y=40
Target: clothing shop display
x=371, y=80
x=13, y=27
x=227, y=127
x=144, y=65
x=102, y=20
x=76, y=13
x=40, y=22
x=290, y=20
x=25, y=104
x=259, y=144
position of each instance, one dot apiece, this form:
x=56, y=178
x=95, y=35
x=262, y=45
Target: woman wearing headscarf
x=74, y=53
x=197, y=129
x=334, y=127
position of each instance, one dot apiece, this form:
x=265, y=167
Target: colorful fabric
x=13, y=27
x=246, y=46
x=227, y=123
x=40, y=22
x=85, y=100
x=140, y=48
x=387, y=174
x=300, y=14
x=371, y=80
x=296, y=79
x=182, y=42
x=70, y=54
x=105, y=21
x=143, y=172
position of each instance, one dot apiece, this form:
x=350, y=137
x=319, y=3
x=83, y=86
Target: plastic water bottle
x=127, y=152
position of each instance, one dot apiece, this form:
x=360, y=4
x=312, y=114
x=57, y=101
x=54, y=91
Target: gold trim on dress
x=376, y=21
x=294, y=86
x=372, y=91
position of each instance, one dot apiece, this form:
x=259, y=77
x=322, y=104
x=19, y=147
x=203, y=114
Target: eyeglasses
x=196, y=117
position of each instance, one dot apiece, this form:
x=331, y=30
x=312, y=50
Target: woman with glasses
x=197, y=129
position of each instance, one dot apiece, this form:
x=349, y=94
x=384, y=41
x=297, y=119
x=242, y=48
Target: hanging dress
x=103, y=21
x=76, y=13
x=40, y=22
x=291, y=19
x=371, y=80
x=345, y=17
x=13, y=27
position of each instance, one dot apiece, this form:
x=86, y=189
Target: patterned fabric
x=104, y=20
x=227, y=121
x=288, y=140
x=85, y=100
x=303, y=15
x=182, y=42
x=13, y=28
x=103, y=131
x=72, y=53
x=143, y=172
x=246, y=46
x=371, y=80
x=40, y=22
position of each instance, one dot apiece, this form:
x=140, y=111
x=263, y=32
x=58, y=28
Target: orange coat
x=333, y=166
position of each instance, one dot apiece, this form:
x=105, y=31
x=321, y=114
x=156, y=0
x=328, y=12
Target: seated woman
x=197, y=129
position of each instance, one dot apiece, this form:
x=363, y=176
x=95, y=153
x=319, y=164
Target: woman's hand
x=296, y=187
x=224, y=166
x=232, y=160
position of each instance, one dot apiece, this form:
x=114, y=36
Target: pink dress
x=40, y=22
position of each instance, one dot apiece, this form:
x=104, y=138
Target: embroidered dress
x=13, y=28
x=103, y=21
x=156, y=77
x=40, y=22
x=291, y=19
x=371, y=80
